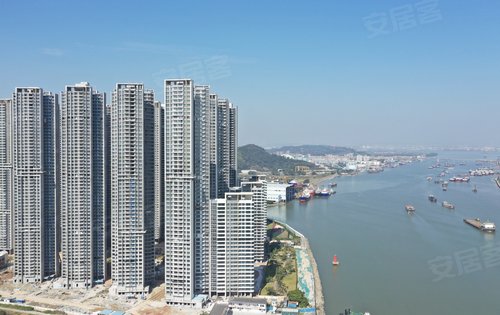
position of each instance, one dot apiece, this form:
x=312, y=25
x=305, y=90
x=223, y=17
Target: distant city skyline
x=392, y=72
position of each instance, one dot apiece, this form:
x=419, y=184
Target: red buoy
x=335, y=262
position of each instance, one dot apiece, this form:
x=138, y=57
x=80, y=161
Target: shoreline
x=319, y=300
x=316, y=180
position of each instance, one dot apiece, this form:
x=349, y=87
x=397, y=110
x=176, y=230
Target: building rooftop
x=248, y=300
x=219, y=309
x=111, y=312
x=200, y=298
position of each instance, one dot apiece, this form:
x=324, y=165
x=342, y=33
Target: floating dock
x=483, y=226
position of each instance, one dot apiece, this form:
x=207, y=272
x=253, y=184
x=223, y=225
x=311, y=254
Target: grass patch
x=17, y=307
x=268, y=289
x=290, y=281
x=55, y=312
x=281, y=271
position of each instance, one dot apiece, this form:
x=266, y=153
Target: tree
x=298, y=296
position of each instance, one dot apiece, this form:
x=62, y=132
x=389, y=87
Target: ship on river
x=486, y=226
x=447, y=205
x=409, y=208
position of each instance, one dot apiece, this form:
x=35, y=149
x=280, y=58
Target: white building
x=132, y=189
x=232, y=239
x=5, y=176
x=82, y=125
x=200, y=164
x=251, y=305
x=277, y=192
x=179, y=191
x=257, y=185
x=35, y=209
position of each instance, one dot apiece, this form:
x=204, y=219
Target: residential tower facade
x=82, y=182
x=34, y=115
x=132, y=189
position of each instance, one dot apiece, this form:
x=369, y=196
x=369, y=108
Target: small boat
x=325, y=192
x=305, y=196
x=475, y=189
x=445, y=188
x=333, y=184
x=448, y=205
x=410, y=208
x=335, y=262
x=432, y=198
x=458, y=179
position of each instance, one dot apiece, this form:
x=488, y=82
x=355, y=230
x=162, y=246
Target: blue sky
x=327, y=72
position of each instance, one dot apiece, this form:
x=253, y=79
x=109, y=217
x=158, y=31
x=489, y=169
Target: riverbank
x=316, y=180
x=307, y=272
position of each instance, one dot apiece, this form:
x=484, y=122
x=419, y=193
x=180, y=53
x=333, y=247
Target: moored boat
x=448, y=205
x=432, y=198
x=305, y=196
x=486, y=226
x=457, y=179
x=325, y=192
x=410, y=208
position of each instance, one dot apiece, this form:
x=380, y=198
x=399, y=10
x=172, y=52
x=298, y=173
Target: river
x=391, y=262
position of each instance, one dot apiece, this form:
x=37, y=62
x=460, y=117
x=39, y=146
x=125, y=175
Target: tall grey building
x=227, y=145
x=203, y=152
x=214, y=99
x=257, y=185
x=82, y=124
x=159, y=121
x=107, y=189
x=132, y=189
x=5, y=176
x=232, y=236
x=34, y=116
x=179, y=191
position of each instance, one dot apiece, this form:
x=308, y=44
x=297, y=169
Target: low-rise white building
x=255, y=305
x=277, y=192
x=232, y=245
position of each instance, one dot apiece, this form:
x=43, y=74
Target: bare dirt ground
x=77, y=301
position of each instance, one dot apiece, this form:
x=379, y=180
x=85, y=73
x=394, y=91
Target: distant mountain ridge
x=314, y=149
x=253, y=157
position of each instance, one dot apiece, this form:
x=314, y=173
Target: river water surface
x=430, y=262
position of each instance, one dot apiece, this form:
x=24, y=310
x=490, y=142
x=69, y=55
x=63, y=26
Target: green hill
x=253, y=157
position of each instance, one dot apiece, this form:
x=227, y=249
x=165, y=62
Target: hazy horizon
x=390, y=73
x=387, y=147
